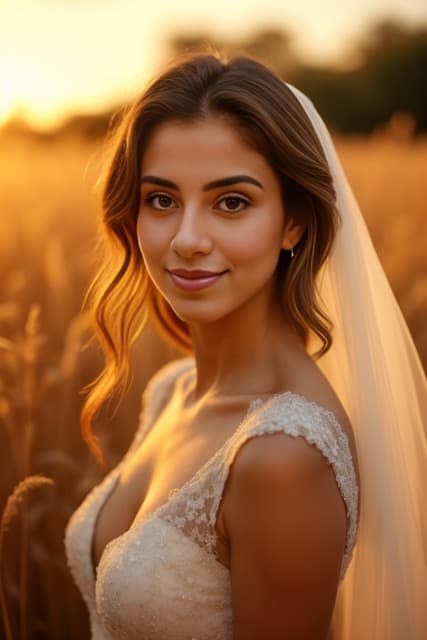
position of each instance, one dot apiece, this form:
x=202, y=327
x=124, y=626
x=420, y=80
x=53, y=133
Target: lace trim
x=79, y=529
x=193, y=508
x=155, y=396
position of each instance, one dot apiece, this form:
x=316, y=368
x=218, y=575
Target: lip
x=195, y=273
x=194, y=280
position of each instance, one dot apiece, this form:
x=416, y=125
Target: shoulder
x=286, y=524
x=276, y=452
x=311, y=383
x=299, y=436
x=161, y=384
x=321, y=399
x=288, y=455
x=269, y=471
x=155, y=395
x=322, y=404
x=171, y=369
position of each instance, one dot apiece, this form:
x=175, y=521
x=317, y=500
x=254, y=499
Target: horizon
x=46, y=79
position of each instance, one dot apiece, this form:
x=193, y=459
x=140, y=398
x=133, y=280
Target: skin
x=242, y=342
x=243, y=346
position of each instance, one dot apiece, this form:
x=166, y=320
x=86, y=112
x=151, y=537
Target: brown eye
x=235, y=203
x=163, y=201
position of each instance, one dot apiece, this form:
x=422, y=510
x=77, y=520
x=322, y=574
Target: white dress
x=161, y=579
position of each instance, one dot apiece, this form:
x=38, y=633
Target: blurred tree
x=395, y=63
x=270, y=45
x=388, y=77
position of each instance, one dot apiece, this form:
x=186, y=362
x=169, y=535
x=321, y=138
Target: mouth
x=194, y=280
x=194, y=274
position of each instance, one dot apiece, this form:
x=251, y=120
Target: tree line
x=385, y=74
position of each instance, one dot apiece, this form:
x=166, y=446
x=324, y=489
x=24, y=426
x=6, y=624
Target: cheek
x=258, y=243
x=150, y=238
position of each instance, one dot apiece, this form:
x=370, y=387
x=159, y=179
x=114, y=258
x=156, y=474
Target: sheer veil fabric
x=376, y=371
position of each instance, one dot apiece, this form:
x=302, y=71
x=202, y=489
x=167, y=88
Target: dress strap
x=155, y=395
x=294, y=415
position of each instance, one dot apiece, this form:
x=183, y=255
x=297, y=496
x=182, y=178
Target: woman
x=232, y=225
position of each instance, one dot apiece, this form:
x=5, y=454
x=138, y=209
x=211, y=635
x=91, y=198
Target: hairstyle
x=271, y=120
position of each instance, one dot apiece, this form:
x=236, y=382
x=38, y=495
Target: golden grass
x=47, y=239
x=15, y=502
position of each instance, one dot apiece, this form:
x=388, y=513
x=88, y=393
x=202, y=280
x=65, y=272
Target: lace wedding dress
x=162, y=579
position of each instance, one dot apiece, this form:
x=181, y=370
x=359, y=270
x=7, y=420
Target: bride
x=274, y=487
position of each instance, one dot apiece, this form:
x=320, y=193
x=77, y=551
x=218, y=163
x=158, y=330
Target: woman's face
x=210, y=202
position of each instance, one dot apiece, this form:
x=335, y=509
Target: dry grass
x=47, y=236
x=388, y=178
x=15, y=502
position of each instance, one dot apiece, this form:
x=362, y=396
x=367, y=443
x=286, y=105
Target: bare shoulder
x=286, y=525
x=312, y=384
x=282, y=453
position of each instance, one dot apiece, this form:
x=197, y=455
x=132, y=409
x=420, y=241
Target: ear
x=292, y=233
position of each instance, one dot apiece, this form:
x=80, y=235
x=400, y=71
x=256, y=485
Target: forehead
x=209, y=145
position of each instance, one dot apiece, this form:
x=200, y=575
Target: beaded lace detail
x=194, y=507
x=165, y=569
x=79, y=529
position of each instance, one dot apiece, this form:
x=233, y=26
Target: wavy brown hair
x=271, y=120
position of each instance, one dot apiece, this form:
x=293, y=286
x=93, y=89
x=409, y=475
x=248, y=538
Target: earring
x=292, y=252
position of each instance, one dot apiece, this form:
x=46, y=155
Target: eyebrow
x=222, y=182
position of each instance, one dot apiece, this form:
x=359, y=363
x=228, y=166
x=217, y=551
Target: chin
x=198, y=318
x=199, y=312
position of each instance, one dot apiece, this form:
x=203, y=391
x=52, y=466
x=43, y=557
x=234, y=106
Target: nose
x=192, y=235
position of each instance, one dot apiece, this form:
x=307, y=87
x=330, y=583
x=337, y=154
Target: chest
x=176, y=447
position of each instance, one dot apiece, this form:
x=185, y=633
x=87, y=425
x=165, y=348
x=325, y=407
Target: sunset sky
x=62, y=56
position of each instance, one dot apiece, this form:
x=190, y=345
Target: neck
x=250, y=351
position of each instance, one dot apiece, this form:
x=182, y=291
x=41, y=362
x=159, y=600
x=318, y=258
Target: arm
x=286, y=522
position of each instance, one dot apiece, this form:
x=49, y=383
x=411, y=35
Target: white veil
x=376, y=372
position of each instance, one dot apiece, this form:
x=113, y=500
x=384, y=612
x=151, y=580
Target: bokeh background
x=66, y=67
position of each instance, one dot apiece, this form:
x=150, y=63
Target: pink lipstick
x=194, y=280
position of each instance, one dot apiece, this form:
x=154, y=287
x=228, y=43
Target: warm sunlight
x=7, y=90
x=59, y=57
x=77, y=260
x=26, y=92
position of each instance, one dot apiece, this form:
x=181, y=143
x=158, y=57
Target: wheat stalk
x=30, y=353
x=11, y=510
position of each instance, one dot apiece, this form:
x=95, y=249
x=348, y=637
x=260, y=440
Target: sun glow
x=27, y=90
x=58, y=57
x=13, y=88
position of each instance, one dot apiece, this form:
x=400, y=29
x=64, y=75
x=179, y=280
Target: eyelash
x=149, y=199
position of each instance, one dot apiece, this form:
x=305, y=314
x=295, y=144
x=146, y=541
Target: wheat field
x=47, y=243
